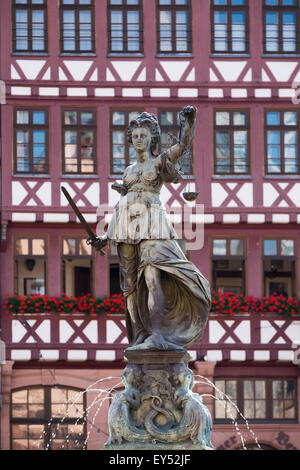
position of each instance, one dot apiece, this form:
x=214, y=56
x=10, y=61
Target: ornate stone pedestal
x=158, y=410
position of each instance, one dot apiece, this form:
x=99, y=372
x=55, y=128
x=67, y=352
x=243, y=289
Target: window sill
x=81, y=54
x=81, y=176
x=30, y=175
x=237, y=177
x=125, y=54
x=39, y=54
x=230, y=55
x=281, y=56
x=174, y=54
x=280, y=176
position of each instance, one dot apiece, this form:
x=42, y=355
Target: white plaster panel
x=239, y=93
x=14, y=75
x=43, y=331
x=132, y=92
x=294, y=194
x=230, y=70
x=160, y=92
x=263, y=93
x=282, y=71
x=231, y=218
x=218, y=194
x=90, y=218
x=267, y=331
x=269, y=194
x=23, y=217
x=142, y=76
x=49, y=91
x=58, y=217
x=18, y=193
x=65, y=331
x=113, y=331
x=285, y=355
x=78, y=68
x=286, y=93
x=104, y=92
x=31, y=68
x=187, y=92
x=243, y=331
x=45, y=193
x=47, y=74
x=93, y=194
x=126, y=69
x=191, y=76
x=77, y=355
x=280, y=218
x=214, y=355
x=174, y=69
x=49, y=354
x=256, y=218
x=237, y=355
x=105, y=355
x=76, y=91
x=212, y=76
x=248, y=76
x=18, y=331
x=216, y=331
x=293, y=331
x=215, y=93
x=21, y=90
x=245, y=194
x=261, y=355
x=20, y=355
x=91, y=331
x=94, y=76
x=61, y=74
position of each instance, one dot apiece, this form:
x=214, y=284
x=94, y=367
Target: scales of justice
x=167, y=301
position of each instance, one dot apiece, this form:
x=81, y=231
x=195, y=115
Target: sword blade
x=80, y=216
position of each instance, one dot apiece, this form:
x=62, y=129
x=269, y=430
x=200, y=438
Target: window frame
x=78, y=128
x=77, y=7
x=280, y=9
x=30, y=127
x=173, y=8
x=125, y=8
x=228, y=255
x=176, y=129
x=47, y=413
x=269, y=410
x=230, y=9
x=281, y=128
x=231, y=127
x=29, y=7
x=30, y=255
x=121, y=127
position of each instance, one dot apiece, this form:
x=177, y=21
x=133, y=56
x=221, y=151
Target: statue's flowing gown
x=141, y=226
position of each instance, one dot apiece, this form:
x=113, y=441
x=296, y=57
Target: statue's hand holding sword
x=95, y=242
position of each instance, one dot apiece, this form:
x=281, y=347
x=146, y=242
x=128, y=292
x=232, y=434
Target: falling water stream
x=104, y=394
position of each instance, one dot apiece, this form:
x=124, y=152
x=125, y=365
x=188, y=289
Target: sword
x=81, y=218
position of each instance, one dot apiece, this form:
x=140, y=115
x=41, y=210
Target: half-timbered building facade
x=74, y=72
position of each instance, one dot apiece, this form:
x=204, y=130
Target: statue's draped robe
x=144, y=235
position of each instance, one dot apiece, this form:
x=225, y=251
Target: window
x=30, y=265
x=232, y=142
x=31, y=140
x=125, y=26
x=282, y=142
x=256, y=399
x=170, y=126
x=279, y=258
x=79, y=141
x=77, y=267
x=174, y=26
x=30, y=26
x=77, y=26
x=228, y=265
x=123, y=153
x=230, y=30
x=281, y=32
x=47, y=418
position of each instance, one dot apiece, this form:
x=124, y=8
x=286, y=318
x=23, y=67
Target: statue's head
x=148, y=121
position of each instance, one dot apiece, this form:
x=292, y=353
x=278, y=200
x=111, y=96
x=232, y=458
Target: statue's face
x=141, y=139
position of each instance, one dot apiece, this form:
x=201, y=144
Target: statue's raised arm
x=187, y=118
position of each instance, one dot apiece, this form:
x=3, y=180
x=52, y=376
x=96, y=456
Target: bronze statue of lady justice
x=167, y=297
